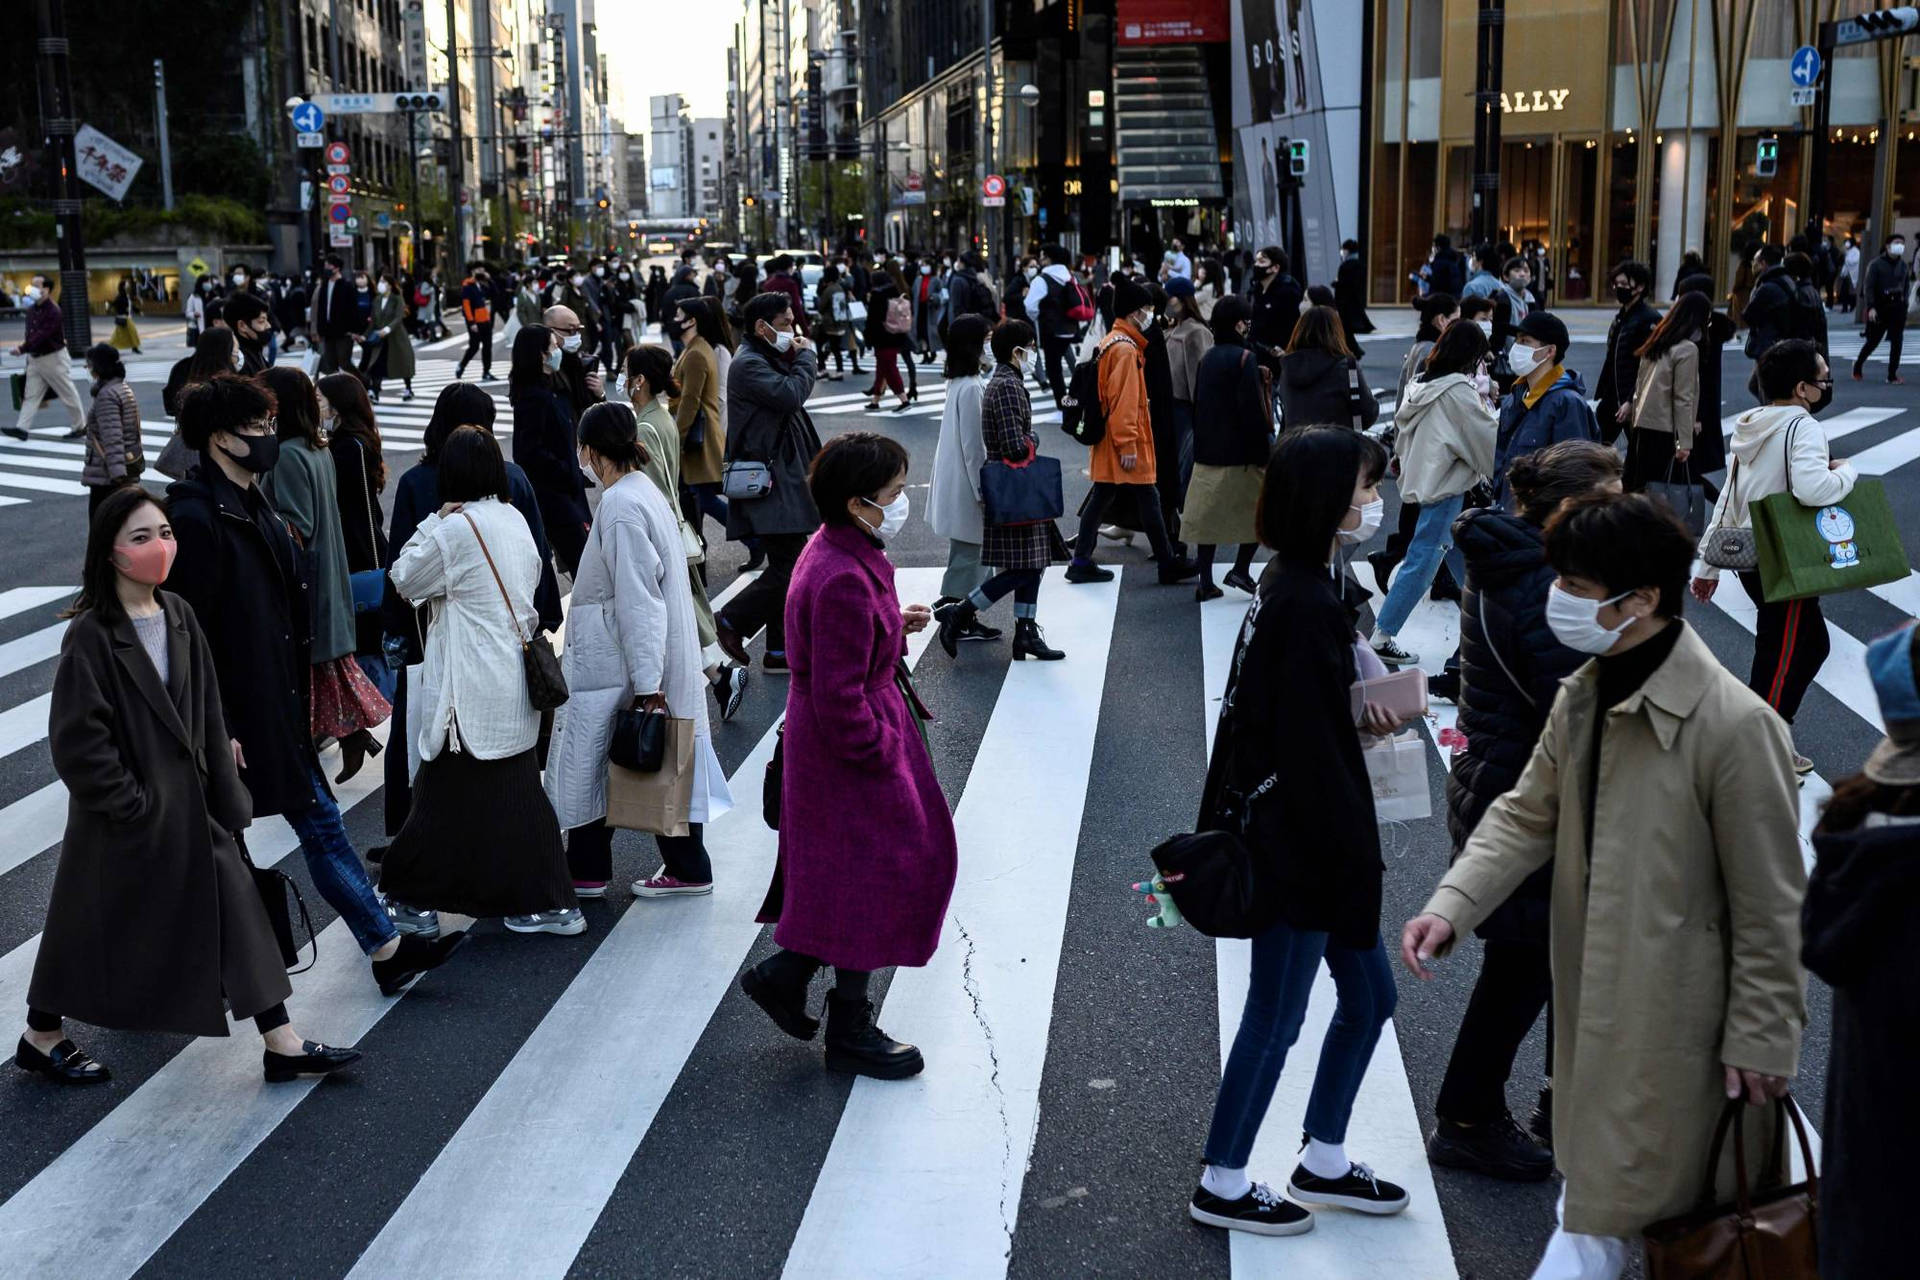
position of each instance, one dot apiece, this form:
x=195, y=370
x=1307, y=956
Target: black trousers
x=1515, y=983
x=1402, y=536
x=1058, y=354
x=269, y=1020
x=480, y=340
x=397, y=794
x=590, y=854
x=1889, y=323
x=1789, y=645
x=336, y=353
x=1146, y=500
x=763, y=602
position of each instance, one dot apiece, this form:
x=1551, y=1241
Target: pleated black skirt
x=480, y=840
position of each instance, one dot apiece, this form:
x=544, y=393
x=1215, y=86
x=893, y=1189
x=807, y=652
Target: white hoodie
x=1056, y=273
x=1761, y=467
x=1445, y=438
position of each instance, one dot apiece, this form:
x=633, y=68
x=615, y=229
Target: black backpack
x=1081, y=414
x=1806, y=313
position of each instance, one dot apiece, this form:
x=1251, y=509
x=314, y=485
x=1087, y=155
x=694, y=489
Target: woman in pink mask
x=155, y=923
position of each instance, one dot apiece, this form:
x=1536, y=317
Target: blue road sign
x=1804, y=66
x=308, y=117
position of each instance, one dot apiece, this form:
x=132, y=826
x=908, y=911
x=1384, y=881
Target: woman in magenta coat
x=867, y=852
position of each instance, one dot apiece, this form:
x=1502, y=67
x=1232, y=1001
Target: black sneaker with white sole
x=1259, y=1211
x=1356, y=1189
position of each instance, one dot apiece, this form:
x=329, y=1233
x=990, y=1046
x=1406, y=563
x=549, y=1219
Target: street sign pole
x=59, y=120
x=457, y=171
x=160, y=116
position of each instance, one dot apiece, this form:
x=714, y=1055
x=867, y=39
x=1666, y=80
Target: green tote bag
x=1811, y=551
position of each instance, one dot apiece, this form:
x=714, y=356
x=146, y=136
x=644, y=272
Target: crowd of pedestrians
x=1623, y=811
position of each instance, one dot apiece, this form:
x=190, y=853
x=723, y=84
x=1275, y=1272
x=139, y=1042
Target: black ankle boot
x=1498, y=1148
x=855, y=1045
x=953, y=620
x=1029, y=643
x=780, y=989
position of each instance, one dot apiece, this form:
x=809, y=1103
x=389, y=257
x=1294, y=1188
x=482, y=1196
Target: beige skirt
x=1220, y=506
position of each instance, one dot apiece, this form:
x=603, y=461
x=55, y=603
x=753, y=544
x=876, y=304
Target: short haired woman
x=954, y=508
x=632, y=639
x=302, y=485
x=1232, y=439
x=481, y=839
x=867, y=852
x=1288, y=777
x=114, y=456
x=150, y=873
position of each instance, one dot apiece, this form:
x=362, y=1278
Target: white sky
x=668, y=46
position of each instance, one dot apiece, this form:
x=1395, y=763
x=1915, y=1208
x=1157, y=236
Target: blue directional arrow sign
x=1804, y=66
x=308, y=117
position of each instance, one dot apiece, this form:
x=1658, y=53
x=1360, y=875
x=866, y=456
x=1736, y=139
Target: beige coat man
x=1676, y=936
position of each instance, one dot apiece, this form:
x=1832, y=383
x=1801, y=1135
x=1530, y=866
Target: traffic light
x=416, y=102
x=1297, y=158
x=751, y=201
x=1889, y=22
x=1766, y=157
x=604, y=203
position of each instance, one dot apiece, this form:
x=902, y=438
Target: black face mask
x=260, y=455
x=1623, y=294
x=1826, y=396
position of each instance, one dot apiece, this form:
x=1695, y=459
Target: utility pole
x=413, y=176
x=455, y=168
x=57, y=125
x=1486, y=122
x=986, y=125
x=160, y=116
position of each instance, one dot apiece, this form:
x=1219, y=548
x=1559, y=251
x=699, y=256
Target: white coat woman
x=953, y=505
x=480, y=838
x=631, y=637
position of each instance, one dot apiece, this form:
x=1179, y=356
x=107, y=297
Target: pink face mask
x=146, y=562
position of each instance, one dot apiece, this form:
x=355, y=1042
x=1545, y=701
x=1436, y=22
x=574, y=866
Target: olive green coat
x=390, y=315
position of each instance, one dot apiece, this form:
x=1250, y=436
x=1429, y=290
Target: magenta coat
x=867, y=848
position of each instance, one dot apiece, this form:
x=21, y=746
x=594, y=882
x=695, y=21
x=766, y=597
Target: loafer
x=730, y=644
x=65, y=1062
x=314, y=1059
x=414, y=957
x=1088, y=572
x=1239, y=581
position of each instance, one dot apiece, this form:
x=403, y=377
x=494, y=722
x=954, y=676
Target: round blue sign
x=308, y=117
x=1804, y=66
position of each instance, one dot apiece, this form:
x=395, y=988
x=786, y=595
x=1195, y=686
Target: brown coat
x=1123, y=397
x=1666, y=396
x=154, y=924
x=699, y=389
x=1676, y=937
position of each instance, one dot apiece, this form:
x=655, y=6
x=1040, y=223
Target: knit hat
x=1544, y=326
x=1896, y=761
x=1179, y=287
x=1130, y=296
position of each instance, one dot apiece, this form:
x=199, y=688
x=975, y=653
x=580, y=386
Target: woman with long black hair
x=1666, y=397
x=1287, y=775
x=543, y=441
x=360, y=475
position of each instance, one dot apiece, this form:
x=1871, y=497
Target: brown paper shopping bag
x=656, y=802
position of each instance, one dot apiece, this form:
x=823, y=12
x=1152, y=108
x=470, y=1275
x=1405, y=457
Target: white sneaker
x=567, y=922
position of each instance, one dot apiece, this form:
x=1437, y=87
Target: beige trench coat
x=1676, y=944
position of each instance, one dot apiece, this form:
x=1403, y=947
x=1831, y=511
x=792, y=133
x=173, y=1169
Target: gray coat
x=767, y=422
x=303, y=488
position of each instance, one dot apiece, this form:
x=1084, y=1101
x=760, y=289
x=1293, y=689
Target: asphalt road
x=607, y=1105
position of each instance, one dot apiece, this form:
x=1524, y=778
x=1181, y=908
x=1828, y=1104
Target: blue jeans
x=1432, y=542
x=337, y=871
x=1285, y=962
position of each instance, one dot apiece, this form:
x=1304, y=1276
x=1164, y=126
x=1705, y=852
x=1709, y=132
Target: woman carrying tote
x=360, y=476
x=632, y=639
x=481, y=839
x=154, y=923
x=1666, y=396
x=1232, y=438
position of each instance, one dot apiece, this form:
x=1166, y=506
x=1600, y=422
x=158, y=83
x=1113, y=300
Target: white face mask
x=1143, y=320
x=626, y=275
x=926, y=270
x=1032, y=273
x=1020, y=357
x=986, y=365
x=34, y=292
x=570, y=343
x=588, y=473
x=893, y=517
x=1486, y=327
x=1524, y=360
x=1371, y=514
x=1896, y=249
x=385, y=287
x=1575, y=623
x=579, y=280
x=782, y=340
x=238, y=359
x=553, y=360
x=239, y=280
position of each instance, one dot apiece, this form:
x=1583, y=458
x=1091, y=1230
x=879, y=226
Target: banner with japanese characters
x=103, y=162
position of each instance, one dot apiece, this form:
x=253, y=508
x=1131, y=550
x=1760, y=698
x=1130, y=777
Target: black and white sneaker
x=729, y=688
x=1259, y=1211
x=1356, y=1189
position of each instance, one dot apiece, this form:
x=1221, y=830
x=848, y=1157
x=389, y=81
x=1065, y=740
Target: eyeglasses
x=259, y=426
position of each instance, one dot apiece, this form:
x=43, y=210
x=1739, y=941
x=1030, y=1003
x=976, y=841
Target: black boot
x=954, y=619
x=779, y=987
x=1540, y=1123
x=354, y=750
x=855, y=1045
x=1029, y=643
x=1498, y=1148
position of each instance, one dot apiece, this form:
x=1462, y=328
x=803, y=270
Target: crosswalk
x=531, y=1169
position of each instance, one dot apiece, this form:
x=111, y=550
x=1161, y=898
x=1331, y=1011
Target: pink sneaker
x=662, y=885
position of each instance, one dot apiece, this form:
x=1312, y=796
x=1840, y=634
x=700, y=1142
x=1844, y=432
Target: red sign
x=336, y=153
x=913, y=181
x=993, y=185
x=337, y=184
x=1173, y=21
x=339, y=213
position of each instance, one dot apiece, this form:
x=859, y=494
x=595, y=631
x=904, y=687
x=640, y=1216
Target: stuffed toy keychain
x=1167, y=915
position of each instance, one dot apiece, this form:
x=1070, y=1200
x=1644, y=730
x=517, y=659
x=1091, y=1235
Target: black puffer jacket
x=1503, y=620
x=1315, y=387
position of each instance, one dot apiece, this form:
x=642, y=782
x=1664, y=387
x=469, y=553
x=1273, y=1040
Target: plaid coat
x=1006, y=422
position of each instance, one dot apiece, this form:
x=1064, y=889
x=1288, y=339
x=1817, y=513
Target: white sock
x=1325, y=1159
x=1228, y=1184
x=1379, y=637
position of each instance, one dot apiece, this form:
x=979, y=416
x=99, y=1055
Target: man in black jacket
x=247, y=316
x=1625, y=336
x=1888, y=281
x=1769, y=313
x=1446, y=271
x=1276, y=298
x=337, y=316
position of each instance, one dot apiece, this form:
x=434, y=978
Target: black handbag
x=639, y=739
x=1215, y=879
x=697, y=429
x=770, y=784
x=546, y=682
x=1016, y=493
x=273, y=886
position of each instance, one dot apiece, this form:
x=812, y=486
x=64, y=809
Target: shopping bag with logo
x=1811, y=551
x=1397, y=767
x=658, y=801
